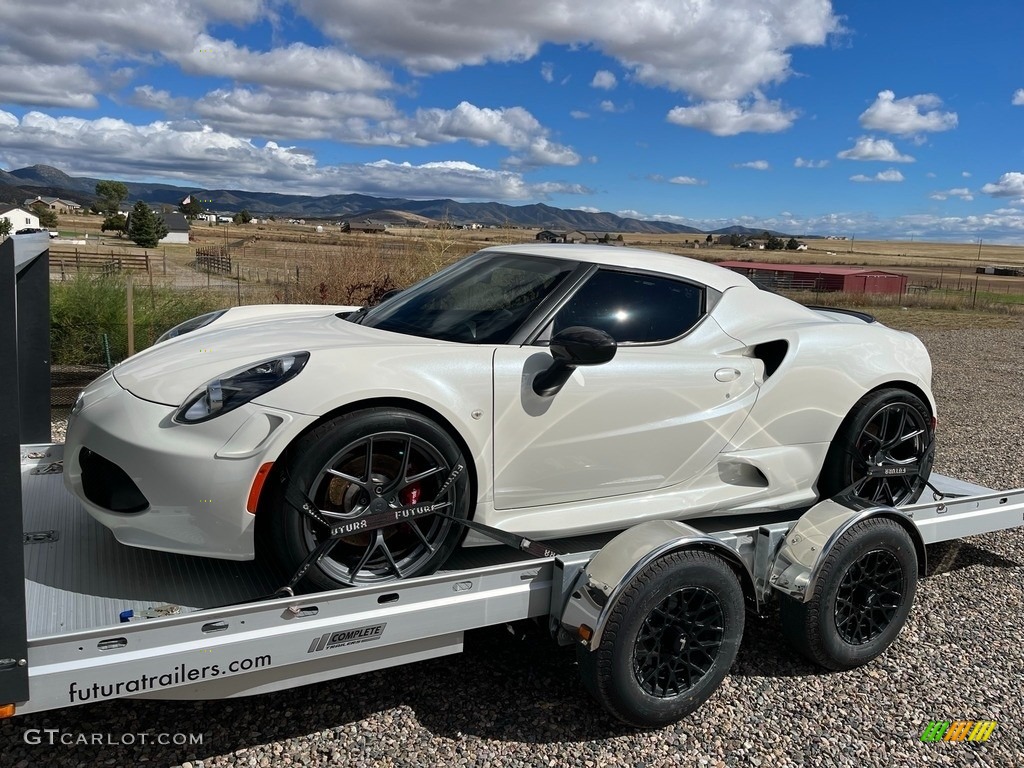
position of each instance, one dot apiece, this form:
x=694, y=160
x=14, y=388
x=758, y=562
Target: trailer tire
x=669, y=642
x=861, y=600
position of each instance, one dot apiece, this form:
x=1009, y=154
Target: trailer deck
x=79, y=579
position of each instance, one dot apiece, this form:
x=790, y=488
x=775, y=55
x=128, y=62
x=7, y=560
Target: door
x=654, y=416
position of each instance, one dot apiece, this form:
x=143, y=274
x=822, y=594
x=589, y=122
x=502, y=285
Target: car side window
x=633, y=308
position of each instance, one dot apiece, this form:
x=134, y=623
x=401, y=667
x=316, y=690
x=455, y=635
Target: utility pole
x=979, y=249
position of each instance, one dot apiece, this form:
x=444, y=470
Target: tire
x=886, y=429
x=862, y=598
x=689, y=603
x=412, y=457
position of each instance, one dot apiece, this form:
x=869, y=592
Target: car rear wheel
x=364, y=463
x=883, y=451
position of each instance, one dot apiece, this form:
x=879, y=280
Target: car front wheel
x=361, y=464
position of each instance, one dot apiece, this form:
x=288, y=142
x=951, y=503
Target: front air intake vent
x=107, y=485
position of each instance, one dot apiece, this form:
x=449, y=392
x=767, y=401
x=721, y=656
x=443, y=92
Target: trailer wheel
x=669, y=642
x=861, y=600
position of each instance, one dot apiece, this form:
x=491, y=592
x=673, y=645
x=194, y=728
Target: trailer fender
x=797, y=565
x=602, y=581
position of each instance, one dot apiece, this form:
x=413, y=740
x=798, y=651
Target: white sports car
x=546, y=391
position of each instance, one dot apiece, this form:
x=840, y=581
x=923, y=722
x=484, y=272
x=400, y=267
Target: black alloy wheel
x=883, y=451
x=869, y=596
x=678, y=642
x=380, y=460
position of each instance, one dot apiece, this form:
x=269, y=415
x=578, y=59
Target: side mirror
x=578, y=345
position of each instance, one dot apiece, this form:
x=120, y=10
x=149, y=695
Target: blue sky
x=871, y=119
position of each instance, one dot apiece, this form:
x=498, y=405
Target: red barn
x=813, y=277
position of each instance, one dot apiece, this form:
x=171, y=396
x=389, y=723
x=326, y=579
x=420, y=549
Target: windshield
x=480, y=300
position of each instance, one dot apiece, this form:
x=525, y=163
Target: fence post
x=130, y=313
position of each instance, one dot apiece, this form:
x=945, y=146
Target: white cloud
x=360, y=118
x=686, y=180
x=1009, y=185
x=511, y=127
x=604, y=79
x=966, y=174
x=756, y=165
x=287, y=114
x=579, y=114
x=1018, y=98
x=195, y=154
x=547, y=71
x=546, y=188
x=908, y=116
x=54, y=85
x=608, y=106
x=891, y=175
x=728, y=118
x=714, y=49
x=870, y=148
x=802, y=163
x=148, y=97
x=961, y=192
x=295, y=66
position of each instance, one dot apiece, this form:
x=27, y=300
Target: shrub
x=88, y=308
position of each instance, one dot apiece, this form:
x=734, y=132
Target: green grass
x=89, y=317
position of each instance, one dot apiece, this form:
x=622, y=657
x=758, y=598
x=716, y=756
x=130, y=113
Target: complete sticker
x=343, y=637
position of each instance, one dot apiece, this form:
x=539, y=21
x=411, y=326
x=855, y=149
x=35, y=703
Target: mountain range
x=47, y=181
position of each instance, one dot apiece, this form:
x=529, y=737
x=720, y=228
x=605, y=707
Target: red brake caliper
x=411, y=495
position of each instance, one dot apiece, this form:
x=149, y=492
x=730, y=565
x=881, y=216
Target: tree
x=774, y=243
x=111, y=195
x=116, y=223
x=709, y=239
x=47, y=218
x=192, y=208
x=145, y=228
x=735, y=240
x=792, y=244
x=242, y=217
x=5, y=228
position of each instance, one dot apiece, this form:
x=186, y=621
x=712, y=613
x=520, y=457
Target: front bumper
x=186, y=485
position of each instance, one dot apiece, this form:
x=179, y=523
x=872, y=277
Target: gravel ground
x=514, y=699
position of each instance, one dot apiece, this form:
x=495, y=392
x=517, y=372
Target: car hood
x=169, y=372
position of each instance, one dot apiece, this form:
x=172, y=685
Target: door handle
x=727, y=374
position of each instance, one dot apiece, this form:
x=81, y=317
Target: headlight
x=238, y=387
x=191, y=325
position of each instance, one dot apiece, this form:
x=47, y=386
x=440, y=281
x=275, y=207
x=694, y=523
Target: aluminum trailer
x=651, y=609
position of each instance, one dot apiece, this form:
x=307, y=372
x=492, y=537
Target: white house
x=19, y=218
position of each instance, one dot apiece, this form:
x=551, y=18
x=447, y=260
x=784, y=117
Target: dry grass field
x=277, y=261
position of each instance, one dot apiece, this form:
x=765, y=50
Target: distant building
x=19, y=218
x=812, y=277
x=561, y=236
x=370, y=226
x=177, y=229
x=56, y=204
